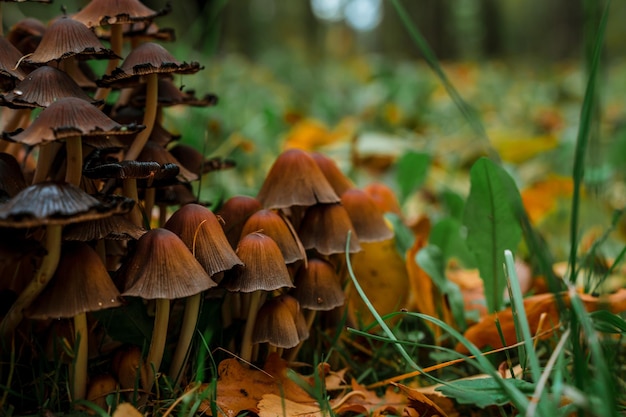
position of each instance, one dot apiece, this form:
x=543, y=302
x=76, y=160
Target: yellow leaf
x=515, y=147
x=381, y=272
x=541, y=198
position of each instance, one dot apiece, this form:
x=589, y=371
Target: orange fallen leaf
x=472, y=288
x=484, y=333
x=541, y=198
x=420, y=405
x=240, y=388
x=126, y=410
x=363, y=401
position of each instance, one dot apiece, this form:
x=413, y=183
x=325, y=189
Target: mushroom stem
x=78, y=371
x=74, y=169
x=309, y=316
x=148, y=202
x=129, y=189
x=246, y=342
x=157, y=344
x=188, y=327
x=152, y=90
x=116, y=46
x=39, y=282
x=47, y=153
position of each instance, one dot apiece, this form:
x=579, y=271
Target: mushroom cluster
x=87, y=189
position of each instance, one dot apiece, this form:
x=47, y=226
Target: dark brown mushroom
x=234, y=213
x=325, y=228
x=369, y=223
x=276, y=227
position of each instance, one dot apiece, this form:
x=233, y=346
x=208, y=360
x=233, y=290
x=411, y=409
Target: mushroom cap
x=71, y=116
x=146, y=31
x=178, y=194
x=42, y=87
x=295, y=180
x=170, y=95
x=264, y=266
x=80, y=284
x=153, y=152
x=26, y=34
x=162, y=267
x=277, y=324
x=147, y=58
x=194, y=161
x=325, y=228
x=201, y=231
x=108, y=12
x=333, y=174
x=274, y=226
x=65, y=38
x=49, y=203
x=383, y=197
x=234, y=213
x=113, y=228
x=10, y=73
x=318, y=287
x=366, y=217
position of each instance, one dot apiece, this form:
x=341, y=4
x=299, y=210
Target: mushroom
x=325, y=228
x=333, y=174
x=200, y=230
x=51, y=205
x=80, y=284
x=280, y=324
x=162, y=268
x=264, y=270
x=234, y=213
x=369, y=223
x=147, y=62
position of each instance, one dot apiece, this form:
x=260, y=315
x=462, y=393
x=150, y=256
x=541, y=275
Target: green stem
x=188, y=327
x=36, y=286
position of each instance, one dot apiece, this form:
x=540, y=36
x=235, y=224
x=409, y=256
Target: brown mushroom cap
x=325, y=228
x=318, y=287
x=50, y=203
x=199, y=228
x=65, y=38
x=333, y=174
x=264, y=266
x=171, y=95
x=156, y=153
x=366, y=217
x=71, y=116
x=147, y=58
x=10, y=73
x=277, y=325
x=145, y=31
x=11, y=178
x=26, y=34
x=194, y=161
x=234, y=213
x=112, y=228
x=295, y=180
x=108, y=12
x=162, y=267
x=42, y=87
x=274, y=226
x=80, y=284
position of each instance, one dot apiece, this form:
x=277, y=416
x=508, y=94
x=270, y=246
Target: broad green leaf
x=403, y=236
x=412, y=170
x=453, y=203
x=484, y=392
x=447, y=234
x=492, y=225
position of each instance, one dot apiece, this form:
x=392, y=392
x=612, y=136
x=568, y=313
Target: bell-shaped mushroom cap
x=142, y=32
x=163, y=267
x=156, y=153
x=277, y=325
x=57, y=203
x=170, y=95
x=80, y=284
x=175, y=195
x=10, y=73
x=318, y=287
x=194, y=161
x=147, y=58
x=42, y=87
x=11, y=178
x=112, y=228
x=333, y=174
x=264, y=266
x=71, y=116
x=199, y=228
x=26, y=34
x=234, y=213
x=108, y=12
x=274, y=226
x=366, y=217
x=295, y=180
x=325, y=228
x=66, y=38
x=383, y=197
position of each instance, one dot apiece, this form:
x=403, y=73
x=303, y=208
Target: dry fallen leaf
x=240, y=388
x=541, y=198
x=420, y=405
x=363, y=401
x=485, y=333
x=126, y=410
x=272, y=405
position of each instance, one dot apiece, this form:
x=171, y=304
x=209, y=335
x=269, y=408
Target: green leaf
x=447, y=234
x=607, y=322
x=403, y=236
x=412, y=170
x=492, y=225
x=453, y=203
x=484, y=392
